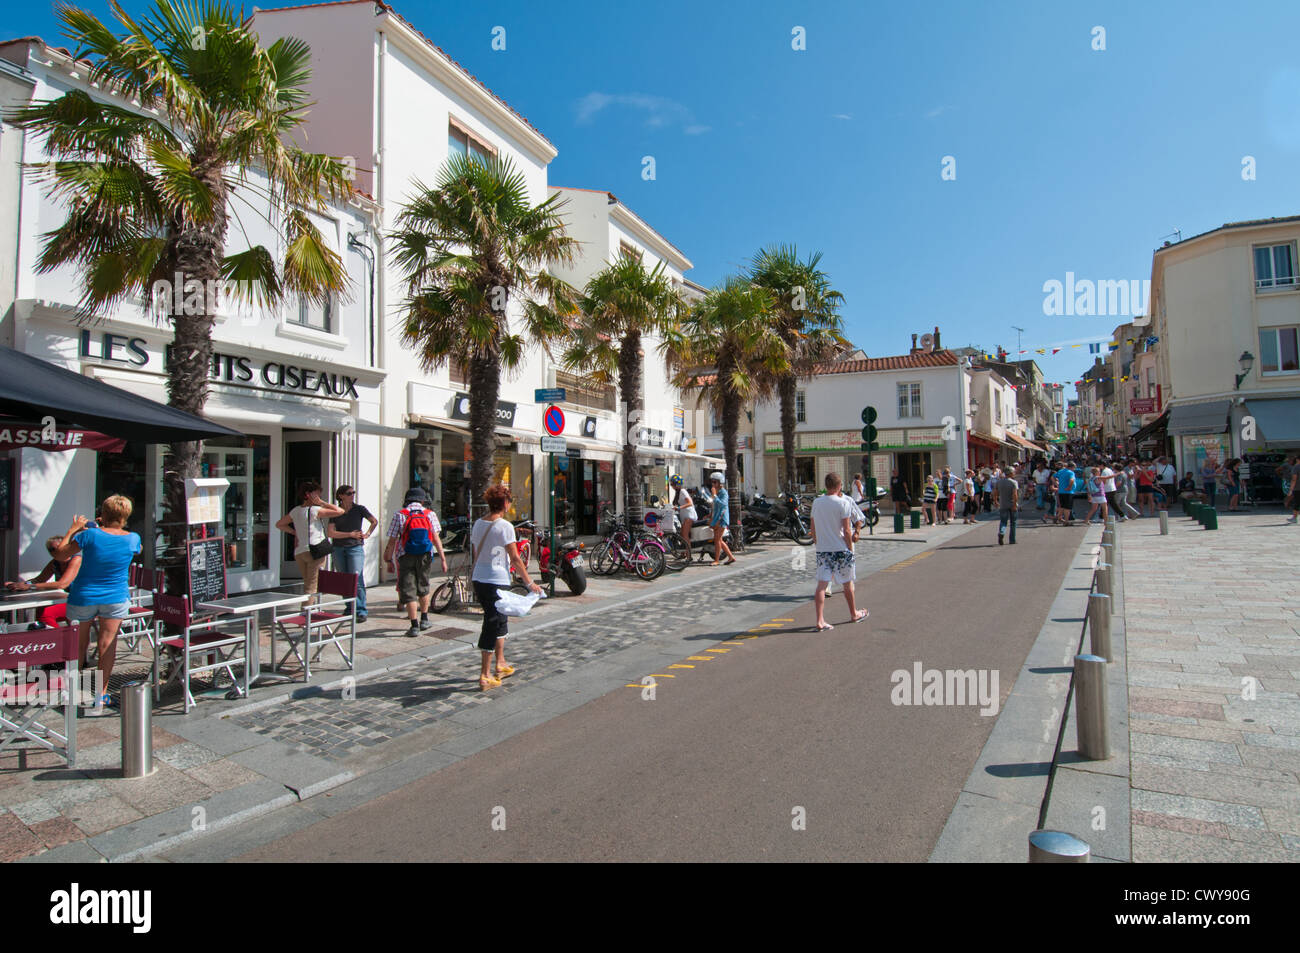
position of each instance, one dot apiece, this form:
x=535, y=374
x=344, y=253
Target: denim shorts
x=115, y=610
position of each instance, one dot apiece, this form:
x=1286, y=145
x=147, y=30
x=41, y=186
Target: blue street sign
x=548, y=395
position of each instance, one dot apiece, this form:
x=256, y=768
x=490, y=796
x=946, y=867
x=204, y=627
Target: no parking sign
x=553, y=421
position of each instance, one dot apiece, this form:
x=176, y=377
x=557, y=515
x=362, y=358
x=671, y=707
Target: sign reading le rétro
x=233, y=369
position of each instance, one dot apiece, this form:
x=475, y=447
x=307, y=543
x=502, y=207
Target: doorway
x=914, y=468
x=305, y=458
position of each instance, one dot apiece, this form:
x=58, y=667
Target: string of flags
x=1094, y=347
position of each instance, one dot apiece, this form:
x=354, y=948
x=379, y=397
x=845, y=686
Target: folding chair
x=325, y=623
x=216, y=645
x=25, y=704
x=140, y=622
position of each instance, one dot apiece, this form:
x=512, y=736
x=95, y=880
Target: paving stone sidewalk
x=229, y=760
x=1213, y=629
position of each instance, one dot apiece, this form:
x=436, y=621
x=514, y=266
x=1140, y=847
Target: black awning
x=1208, y=417
x=33, y=388
x=1150, y=430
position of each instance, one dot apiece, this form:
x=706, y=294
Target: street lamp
x=974, y=406
x=1246, y=362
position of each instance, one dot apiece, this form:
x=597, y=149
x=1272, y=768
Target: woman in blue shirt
x=101, y=589
x=720, y=519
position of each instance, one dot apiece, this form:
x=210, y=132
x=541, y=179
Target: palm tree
x=731, y=331
x=619, y=305
x=466, y=249
x=150, y=196
x=806, y=313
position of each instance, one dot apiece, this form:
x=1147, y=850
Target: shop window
x=805, y=471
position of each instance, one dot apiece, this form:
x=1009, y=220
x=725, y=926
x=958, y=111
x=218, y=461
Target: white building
x=298, y=382
x=922, y=404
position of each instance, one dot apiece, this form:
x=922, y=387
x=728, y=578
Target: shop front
x=916, y=452
x=299, y=418
x=1270, y=434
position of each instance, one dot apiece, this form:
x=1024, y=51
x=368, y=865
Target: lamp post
x=1246, y=362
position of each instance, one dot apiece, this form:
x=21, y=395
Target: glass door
x=305, y=458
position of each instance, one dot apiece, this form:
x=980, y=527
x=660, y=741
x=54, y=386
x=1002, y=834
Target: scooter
x=572, y=566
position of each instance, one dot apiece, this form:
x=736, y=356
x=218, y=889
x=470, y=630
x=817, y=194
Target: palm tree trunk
x=197, y=252
x=730, y=426
x=786, y=388
x=629, y=384
x=484, y=387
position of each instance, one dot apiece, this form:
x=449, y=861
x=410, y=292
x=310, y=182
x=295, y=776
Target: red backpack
x=417, y=533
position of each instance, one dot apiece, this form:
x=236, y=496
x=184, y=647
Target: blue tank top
x=105, y=558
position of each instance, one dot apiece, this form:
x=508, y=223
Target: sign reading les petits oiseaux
x=226, y=368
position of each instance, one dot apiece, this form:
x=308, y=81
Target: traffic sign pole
x=555, y=536
x=869, y=444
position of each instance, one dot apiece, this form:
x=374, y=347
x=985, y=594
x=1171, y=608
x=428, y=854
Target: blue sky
x=1067, y=158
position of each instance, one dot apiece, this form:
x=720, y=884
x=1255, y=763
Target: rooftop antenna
x=1019, y=331
x=1177, y=232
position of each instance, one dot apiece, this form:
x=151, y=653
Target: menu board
x=205, y=561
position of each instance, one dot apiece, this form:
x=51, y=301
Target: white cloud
x=842, y=116
x=937, y=111
x=659, y=111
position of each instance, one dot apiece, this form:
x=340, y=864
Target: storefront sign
x=554, y=445
x=505, y=410
x=925, y=437
x=548, y=395
x=679, y=419
x=1142, y=405
x=46, y=435
x=228, y=368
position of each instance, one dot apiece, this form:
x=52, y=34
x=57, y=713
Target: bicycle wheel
x=442, y=596
x=648, y=561
x=604, y=558
x=678, y=558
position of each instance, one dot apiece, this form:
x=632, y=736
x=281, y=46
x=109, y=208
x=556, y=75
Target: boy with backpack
x=413, y=535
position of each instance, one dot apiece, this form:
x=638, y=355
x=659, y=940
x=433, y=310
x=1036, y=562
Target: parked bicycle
x=621, y=549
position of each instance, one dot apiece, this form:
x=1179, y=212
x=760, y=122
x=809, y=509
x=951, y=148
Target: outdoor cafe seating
x=332, y=621
x=29, y=696
x=139, y=624
x=199, y=646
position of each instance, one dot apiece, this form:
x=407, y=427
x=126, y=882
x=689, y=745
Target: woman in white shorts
x=685, y=508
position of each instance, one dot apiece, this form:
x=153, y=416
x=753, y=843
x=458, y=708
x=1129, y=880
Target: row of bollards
x=1203, y=513
x=1091, y=709
x=915, y=520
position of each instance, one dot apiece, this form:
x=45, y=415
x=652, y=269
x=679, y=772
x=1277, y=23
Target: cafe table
x=250, y=604
x=12, y=603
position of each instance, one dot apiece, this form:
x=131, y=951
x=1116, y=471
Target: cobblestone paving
x=1213, y=627
x=405, y=700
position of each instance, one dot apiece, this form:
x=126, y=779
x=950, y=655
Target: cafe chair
x=139, y=624
x=210, y=645
x=328, y=622
x=29, y=697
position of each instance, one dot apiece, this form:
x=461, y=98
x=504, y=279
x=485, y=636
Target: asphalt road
x=732, y=753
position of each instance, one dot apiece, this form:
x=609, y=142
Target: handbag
x=323, y=548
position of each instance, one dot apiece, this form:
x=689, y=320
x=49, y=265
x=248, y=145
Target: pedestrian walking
x=833, y=537
x=1209, y=479
x=1291, y=473
x=987, y=479
x=306, y=524
x=1049, y=498
x=954, y=491
x=1041, y=474
x=684, y=506
x=899, y=493
x=1123, y=489
x=1065, y=494
x=1008, y=496
x=858, y=493
x=720, y=520
x=941, y=498
x=495, y=551
x=1166, y=480
x=929, y=494
x=101, y=589
x=1146, y=487
x=349, y=541
x=969, y=505
x=1096, y=494
x=1232, y=483
x=1110, y=488
x=412, y=538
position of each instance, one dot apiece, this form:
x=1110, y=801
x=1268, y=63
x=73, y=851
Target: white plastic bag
x=513, y=604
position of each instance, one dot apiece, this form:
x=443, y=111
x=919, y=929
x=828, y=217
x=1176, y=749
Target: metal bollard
x=1100, y=606
x=1090, y=707
x=1164, y=523
x=1107, y=554
x=1103, y=577
x=898, y=522
x=1057, y=847
x=1211, y=518
x=137, y=730
x=916, y=519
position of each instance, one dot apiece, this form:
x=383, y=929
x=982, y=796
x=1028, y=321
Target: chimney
x=936, y=338
x=914, y=343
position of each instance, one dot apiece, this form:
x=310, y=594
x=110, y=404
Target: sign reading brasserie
x=228, y=368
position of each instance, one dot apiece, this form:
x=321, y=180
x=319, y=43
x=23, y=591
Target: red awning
x=23, y=434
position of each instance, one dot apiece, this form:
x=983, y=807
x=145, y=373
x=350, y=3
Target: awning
x=1276, y=421
x=1025, y=443
x=30, y=435
x=1159, y=425
x=1209, y=417
x=31, y=387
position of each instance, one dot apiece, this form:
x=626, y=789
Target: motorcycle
x=455, y=535
x=784, y=517
x=572, y=566
x=871, y=509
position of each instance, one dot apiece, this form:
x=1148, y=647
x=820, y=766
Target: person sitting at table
x=1187, y=489
x=57, y=574
x=101, y=589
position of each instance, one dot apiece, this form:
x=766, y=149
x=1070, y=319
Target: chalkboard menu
x=205, y=561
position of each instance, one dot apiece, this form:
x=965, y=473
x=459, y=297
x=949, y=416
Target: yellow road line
x=661, y=675
x=911, y=560
x=783, y=620
x=733, y=643
x=700, y=658
x=718, y=651
x=679, y=665
x=770, y=625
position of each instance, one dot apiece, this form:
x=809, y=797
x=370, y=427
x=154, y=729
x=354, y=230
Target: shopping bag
x=514, y=604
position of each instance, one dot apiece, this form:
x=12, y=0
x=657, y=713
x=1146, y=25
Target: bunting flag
x=1042, y=350
x=1056, y=350
x=1094, y=348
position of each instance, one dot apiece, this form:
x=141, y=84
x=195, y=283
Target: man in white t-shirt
x=1041, y=474
x=832, y=531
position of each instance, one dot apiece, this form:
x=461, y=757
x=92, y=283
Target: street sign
x=554, y=445
x=553, y=421
x=869, y=415
x=548, y=395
